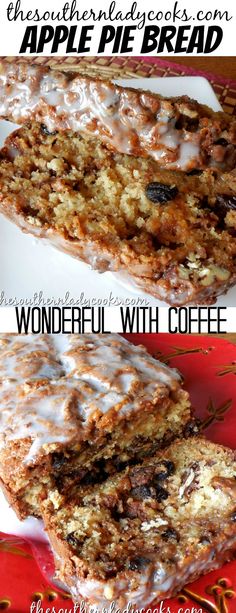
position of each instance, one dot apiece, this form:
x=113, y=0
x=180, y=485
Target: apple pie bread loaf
x=75, y=408
x=179, y=133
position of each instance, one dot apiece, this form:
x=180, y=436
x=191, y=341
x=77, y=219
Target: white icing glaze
x=53, y=388
x=187, y=151
x=16, y=362
x=122, y=117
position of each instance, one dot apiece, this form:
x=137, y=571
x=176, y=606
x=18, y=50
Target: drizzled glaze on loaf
x=55, y=388
x=179, y=133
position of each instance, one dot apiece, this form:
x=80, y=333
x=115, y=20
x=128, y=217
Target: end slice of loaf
x=145, y=533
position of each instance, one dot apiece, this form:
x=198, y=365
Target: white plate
x=29, y=267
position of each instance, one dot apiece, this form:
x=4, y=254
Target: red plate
x=209, y=368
